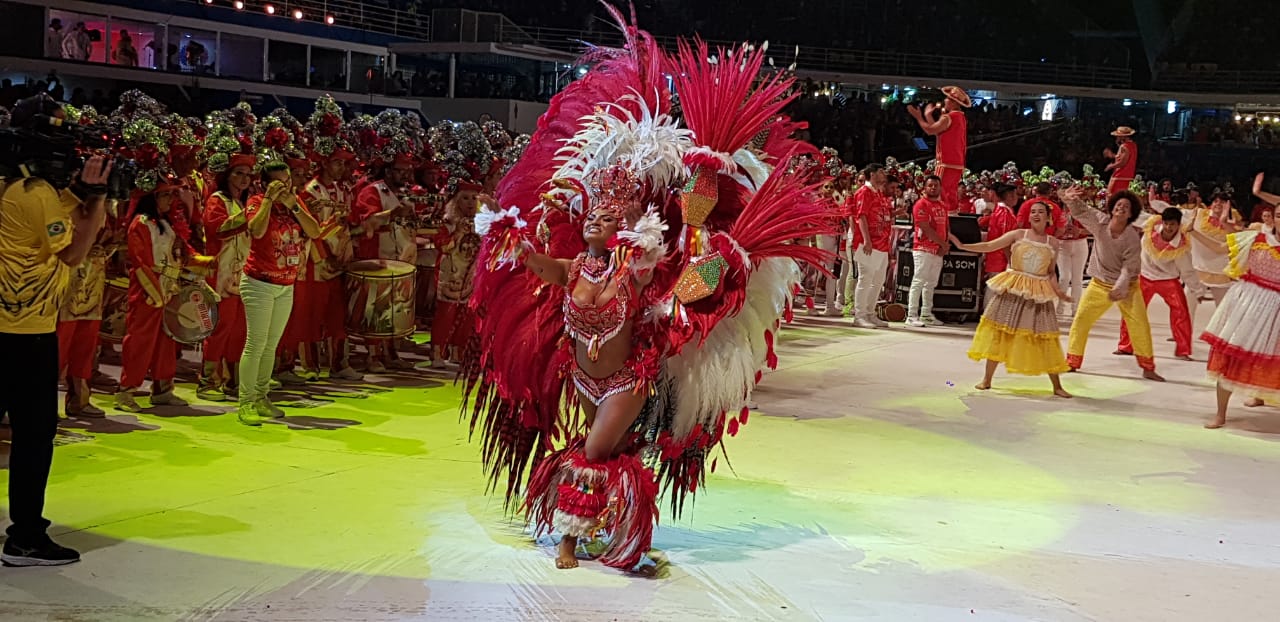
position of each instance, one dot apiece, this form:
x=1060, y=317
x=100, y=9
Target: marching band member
x=79, y=323
x=320, y=301
x=156, y=255
x=452, y=322
x=276, y=223
x=379, y=237
x=227, y=239
x=871, y=213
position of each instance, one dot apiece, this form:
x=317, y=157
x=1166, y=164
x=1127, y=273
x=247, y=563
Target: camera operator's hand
x=96, y=171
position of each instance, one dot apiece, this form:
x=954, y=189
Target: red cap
x=469, y=185
x=405, y=159
x=241, y=159
x=341, y=153
x=301, y=163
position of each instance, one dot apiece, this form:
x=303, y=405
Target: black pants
x=29, y=394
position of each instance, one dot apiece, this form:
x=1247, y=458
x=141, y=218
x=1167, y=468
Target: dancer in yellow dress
x=1020, y=326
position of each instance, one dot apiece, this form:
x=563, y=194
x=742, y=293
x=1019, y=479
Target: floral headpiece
x=273, y=142
x=463, y=152
x=325, y=130
x=230, y=133
x=147, y=144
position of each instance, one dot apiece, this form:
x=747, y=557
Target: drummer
x=79, y=323
x=378, y=236
x=155, y=256
x=320, y=304
x=452, y=323
x=227, y=238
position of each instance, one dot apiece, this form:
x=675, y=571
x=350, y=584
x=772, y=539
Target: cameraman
x=45, y=231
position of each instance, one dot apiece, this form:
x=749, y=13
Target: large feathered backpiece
x=511, y=375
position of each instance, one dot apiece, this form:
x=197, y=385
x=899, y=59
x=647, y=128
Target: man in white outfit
x=871, y=226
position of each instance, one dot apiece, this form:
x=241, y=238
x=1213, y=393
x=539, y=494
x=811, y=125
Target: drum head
x=191, y=315
x=380, y=268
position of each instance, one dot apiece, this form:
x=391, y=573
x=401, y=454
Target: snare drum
x=381, y=298
x=891, y=312
x=115, y=304
x=191, y=315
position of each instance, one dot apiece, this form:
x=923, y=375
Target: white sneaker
x=832, y=311
x=376, y=367
x=289, y=377
x=879, y=323
x=864, y=323
x=267, y=410
x=125, y=402
x=931, y=321
x=915, y=322
x=347, y=374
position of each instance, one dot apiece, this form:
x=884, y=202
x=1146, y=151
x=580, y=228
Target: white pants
x=923, y=281
x=830, y=243
x=1072, y=255
x=871, y=277
x=266, y=313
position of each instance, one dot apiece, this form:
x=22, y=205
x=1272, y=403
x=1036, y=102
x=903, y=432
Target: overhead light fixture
x=297, y=14
x=239, y=5
x=1238, y=117
x=271, y=9
x=208, y=1
x=328, y=19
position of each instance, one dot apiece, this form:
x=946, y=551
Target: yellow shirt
x=35, y=225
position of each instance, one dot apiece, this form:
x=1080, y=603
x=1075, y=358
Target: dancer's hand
x=1116, y=295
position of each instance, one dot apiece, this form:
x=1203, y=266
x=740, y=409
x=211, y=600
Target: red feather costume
x=706, y=322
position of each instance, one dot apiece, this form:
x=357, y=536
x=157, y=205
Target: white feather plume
x=485, y=218
x=720, y=375
x=652, y=145
x=646, y=235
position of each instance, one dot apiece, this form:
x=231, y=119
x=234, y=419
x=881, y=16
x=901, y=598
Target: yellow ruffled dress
x=1020, y=326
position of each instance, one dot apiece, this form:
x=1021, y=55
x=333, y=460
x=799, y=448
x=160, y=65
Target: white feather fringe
x=485, y=218
x=719, y=376
x=645, y=235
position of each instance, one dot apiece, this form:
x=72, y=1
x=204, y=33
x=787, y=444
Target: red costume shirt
x=933, y=215
x=1130, y=168
x=1000, y=222
x=878, y=210
x=277, y=256
x=954, y=142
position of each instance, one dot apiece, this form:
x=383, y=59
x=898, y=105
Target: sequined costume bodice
x=594, y=325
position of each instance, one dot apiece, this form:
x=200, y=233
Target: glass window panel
x=367, y=73
x=191, y=51
x=240, y=56
x=287, y=63
x=328, y=68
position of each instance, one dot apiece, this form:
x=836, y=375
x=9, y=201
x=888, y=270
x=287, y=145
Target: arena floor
x=873, y=483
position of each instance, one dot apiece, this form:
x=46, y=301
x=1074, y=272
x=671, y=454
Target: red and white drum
x=381, y=298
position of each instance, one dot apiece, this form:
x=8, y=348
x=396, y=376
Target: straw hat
x=1123, y=130
x=957, y=94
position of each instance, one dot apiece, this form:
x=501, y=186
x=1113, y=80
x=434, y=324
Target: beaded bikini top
x=593, y=325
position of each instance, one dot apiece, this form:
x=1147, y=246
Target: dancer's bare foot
x=1254, y=402
x=982, y=386
x=568, y=557
x=1216, y=423
x=1062, y=393
x=1150, y=374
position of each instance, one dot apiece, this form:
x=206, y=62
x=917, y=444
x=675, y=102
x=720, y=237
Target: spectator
x=123, y=52
x=53, y=39
x=77, y=45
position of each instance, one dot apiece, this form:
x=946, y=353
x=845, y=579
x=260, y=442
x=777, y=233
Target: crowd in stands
x=1229, y=35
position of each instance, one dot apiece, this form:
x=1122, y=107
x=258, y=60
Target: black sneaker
x=44, y=552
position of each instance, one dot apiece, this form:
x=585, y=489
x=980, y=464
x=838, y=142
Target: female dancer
x=602, y=292
x=276, y=223
x=1244, y=352
x=156, y=259
x=227, y=240
x=1020, y=326
x=1264, y=214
